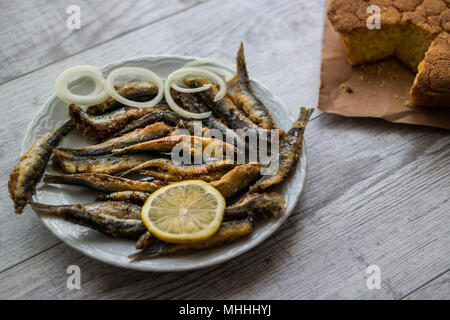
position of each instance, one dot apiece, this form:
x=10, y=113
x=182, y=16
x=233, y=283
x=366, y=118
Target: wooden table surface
x=376, y=193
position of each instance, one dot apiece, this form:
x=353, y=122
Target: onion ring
x=176, y=87
x=62, y=86
x=178, y=75
x=109, y=86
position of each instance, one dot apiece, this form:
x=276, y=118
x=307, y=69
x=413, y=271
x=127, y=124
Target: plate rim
x=171, y=268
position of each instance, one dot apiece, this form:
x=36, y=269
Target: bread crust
x=431, y=87
x=431, y=15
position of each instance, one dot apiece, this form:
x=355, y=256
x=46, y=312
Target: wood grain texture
x=383, y=206
x=34, y=34
x=376, y=192
x=438, y=289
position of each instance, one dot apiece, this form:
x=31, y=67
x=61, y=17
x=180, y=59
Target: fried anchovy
x=224, y=109
x=265, y=204
x=187, y=172
x=108, y=164
x=290, y=150
x=26, y=174
x=192, y=103
x=166, y=144
x=228, y=232
x=146, y=241
x=246, y=98
x=136, y=197
x=115, y=218
x=137, y=91
x=167, y=177
x=102, y=126
x=102, y=182
x=150, y=132
x=237, y=180
x=162, y=113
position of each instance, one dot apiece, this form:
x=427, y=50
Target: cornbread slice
x=408, y=28
x=432, y=84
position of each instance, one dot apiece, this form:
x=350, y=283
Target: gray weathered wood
x=34, y=33
x=438, y=289
x=376, y=193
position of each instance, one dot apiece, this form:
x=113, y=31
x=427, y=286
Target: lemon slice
x=184, y=212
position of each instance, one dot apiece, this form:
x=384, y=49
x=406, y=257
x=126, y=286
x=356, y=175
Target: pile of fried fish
x=130, y=161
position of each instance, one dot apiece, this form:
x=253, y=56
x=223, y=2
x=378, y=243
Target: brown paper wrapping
x=379, y=90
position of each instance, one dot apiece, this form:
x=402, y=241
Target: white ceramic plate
x=116, y=251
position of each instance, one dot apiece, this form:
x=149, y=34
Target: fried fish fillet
x=161, y=113
x=102, y=126
x=102, y=182
x=107, y=164
x=237, y=180
x=115, y=218
x=228, y=232
x=166, y=145
x=26, y=174
x=136, y=197
x=245, y=97
x=290, y=149
x=138, y=91
x=265, y=204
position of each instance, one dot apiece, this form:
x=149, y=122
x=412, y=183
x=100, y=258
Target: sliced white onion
x=180, y=74
x=62, y=86
x=149, y=75
x=176, y=87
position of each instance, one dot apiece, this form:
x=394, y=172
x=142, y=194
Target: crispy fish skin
x=102, y=182
x=237, y=180
x=169, y=178
x=224, y=109
x=138, y=91
x=150, y=132
x=118, y=219
x=166, y=144
x=185, y=172
x=107, y=164
x=191, y=103
x=26, y=174
x=228, y=232
x=162, y=113
x=245, y=97
x=146, y=241
x=290, y=150
x=102, y=126
x=136, y=197
x=265, y=204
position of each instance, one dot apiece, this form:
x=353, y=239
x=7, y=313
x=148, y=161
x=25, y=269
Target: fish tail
x=241, y=64
x=305, y=115
x=143, y=255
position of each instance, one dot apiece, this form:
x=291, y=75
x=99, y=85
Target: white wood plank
x=438, y=289
x=376, y=193
x=34, y=33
